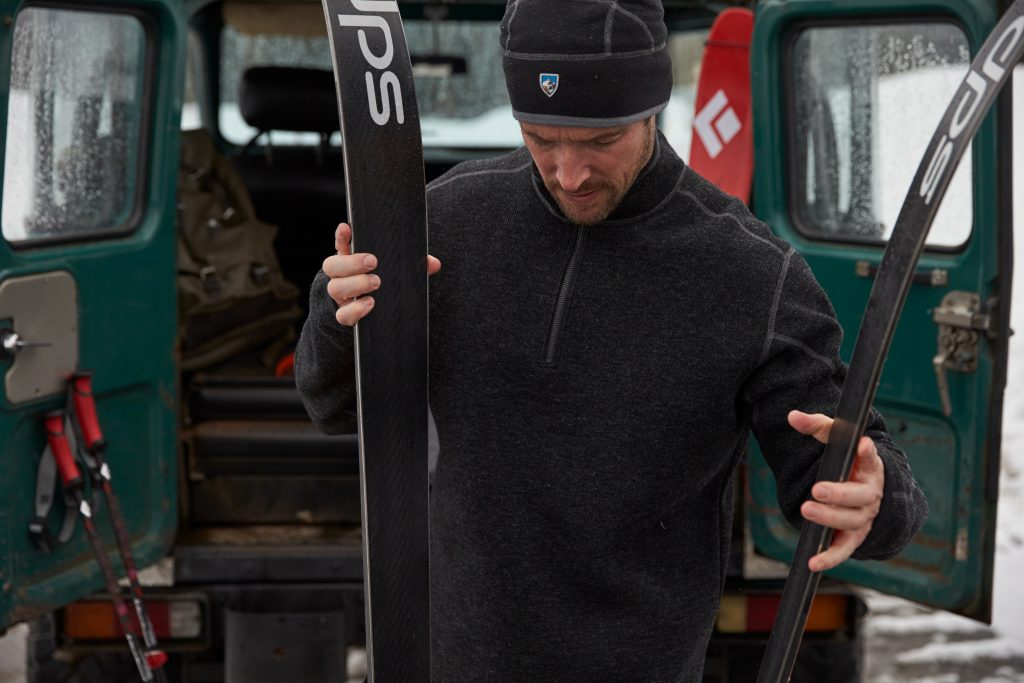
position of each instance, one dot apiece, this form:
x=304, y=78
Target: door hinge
x=960, y=319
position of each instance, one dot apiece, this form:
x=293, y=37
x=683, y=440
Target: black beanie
x=587, y=63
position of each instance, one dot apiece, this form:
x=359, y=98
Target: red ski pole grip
x=58, y=440
x=85, y=410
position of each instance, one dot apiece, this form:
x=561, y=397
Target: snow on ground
x=946, y=653
x=918, y=624
x=12, y=655
x=1004, y=675
x=912, y=644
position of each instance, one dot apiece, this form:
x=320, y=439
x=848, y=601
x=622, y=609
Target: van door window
x=73, y=125
x=865, y=101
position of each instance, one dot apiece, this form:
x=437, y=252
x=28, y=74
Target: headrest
x=285, y=98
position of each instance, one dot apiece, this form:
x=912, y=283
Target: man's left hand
x=849, y=507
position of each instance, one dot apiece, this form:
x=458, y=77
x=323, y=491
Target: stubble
x=613, y=191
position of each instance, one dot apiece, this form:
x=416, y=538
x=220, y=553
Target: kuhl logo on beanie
x=549, y=83
x=611, y=54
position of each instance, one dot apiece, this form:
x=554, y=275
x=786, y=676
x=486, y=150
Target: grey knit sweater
x=593, y=390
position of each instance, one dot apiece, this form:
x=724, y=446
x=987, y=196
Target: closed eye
x=606, y=142
x=539, y=142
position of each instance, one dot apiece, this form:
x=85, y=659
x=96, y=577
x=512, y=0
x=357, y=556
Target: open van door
x=846, y=97
x=91, y=96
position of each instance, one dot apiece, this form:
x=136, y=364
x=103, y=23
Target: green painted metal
x=127, y=323
x=950, y=563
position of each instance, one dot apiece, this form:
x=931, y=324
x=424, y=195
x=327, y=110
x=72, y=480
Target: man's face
x=589, y=170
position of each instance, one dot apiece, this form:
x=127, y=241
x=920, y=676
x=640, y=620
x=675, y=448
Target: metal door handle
x=11, y=343
x=960, y=320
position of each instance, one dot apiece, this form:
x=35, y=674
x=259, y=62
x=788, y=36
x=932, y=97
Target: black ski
x=387, y=211
x=989, y=72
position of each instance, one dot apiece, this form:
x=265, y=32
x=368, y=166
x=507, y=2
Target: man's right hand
x=352, y=278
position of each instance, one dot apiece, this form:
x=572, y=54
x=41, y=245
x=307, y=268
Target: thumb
x=343, y=239
x=433, y=265
x=819, y=426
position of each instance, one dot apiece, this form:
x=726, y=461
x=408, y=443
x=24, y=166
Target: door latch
x=11, y=343
x=960, y=321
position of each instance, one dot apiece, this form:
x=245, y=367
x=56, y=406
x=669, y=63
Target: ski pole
x=988, y=73
x=73, y=484
x=95, y=445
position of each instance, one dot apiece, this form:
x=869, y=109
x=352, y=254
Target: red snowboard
x=723, y=137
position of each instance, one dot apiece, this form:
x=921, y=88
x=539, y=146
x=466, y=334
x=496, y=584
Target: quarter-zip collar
x=652, y=187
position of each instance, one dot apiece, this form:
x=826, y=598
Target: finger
x=347, y=265
x=343, y=289
x=850, y=494
x=847, y=519
x=842, y=547
x=354, y=311
x=868, y=461
x=343, y=239
x=433, y=265
x=819, y=426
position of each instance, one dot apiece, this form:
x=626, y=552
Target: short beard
x=632, y=173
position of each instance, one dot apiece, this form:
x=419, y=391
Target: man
x=606, y=332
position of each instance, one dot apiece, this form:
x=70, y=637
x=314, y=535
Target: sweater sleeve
x=801, y=369
x=325, y=364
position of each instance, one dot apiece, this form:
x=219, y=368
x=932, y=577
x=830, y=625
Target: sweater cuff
x=897, y=521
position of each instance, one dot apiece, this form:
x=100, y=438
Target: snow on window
x=73, y=123
x=866, y=102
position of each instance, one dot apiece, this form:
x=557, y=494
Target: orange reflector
x=96, y=620
x=828, y=613
x=91, y=621
x=756, y=613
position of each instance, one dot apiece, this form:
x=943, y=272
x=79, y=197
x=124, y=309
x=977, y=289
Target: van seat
x=289, y=98
x=299, y=188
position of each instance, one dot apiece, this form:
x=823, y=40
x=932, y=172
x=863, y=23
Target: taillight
x=756, y=613
x=96, y=620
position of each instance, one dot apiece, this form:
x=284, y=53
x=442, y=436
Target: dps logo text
x=380, y=111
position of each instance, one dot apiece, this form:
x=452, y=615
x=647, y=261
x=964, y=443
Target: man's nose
x=572, y=171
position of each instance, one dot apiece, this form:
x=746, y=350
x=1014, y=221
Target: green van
x=249, y=515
